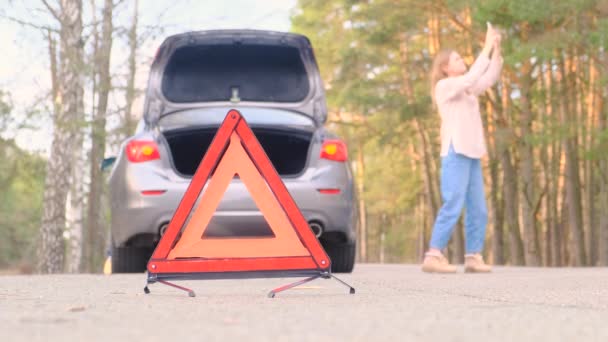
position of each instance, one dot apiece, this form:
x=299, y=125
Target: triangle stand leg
x=153, y=280
x=351, y=289
x=324, y=275
x=190, y=292
x=273, y=293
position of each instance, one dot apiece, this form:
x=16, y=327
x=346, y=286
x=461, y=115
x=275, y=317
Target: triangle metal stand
x=162, y=278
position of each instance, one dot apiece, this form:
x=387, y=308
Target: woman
x=455, y=93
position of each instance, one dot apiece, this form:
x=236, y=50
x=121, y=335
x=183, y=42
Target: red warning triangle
x=236, y=151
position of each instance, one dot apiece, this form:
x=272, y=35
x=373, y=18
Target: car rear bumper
x=135, y=213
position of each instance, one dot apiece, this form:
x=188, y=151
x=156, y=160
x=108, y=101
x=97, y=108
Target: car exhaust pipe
x=163, y=229
x=316, y=227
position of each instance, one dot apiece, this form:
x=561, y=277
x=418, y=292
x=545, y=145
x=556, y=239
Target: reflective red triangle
x=285, y=241
x=235, y=150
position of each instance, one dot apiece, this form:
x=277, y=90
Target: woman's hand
x=491, y=37
x=497, y=41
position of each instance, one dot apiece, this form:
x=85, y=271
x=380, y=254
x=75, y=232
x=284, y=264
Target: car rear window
x=264, y=73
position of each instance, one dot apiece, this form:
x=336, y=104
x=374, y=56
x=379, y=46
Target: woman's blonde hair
x=437, y=72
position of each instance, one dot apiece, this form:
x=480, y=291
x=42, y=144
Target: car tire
x=342, y=257
x=130, y=259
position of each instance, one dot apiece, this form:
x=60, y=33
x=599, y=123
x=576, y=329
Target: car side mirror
x=107, y=163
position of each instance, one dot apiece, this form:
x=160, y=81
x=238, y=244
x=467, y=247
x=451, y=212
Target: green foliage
x=373, y=54
x=5, y=111
x=21, y=183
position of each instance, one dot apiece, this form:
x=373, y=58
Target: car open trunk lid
x=235, y=67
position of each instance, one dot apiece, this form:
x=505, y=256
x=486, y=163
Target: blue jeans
x=461, y=182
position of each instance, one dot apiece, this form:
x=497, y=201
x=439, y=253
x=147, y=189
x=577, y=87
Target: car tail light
x=334, y=150
x=329, y=191
x=153, y=192
x=141, y=151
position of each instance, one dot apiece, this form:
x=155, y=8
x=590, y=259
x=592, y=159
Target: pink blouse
x=458, y=106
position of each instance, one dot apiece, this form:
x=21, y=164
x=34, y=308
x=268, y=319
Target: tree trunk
x=528, y=181
x=548, y=219
x=498, y=244
x=433, y=33
x=602, y=252
x=421, y=237
x=510, y=189
x=547, y=156
x=572, y=179
x=55, y=77
x=553, y=175
x=603, y=233
x=76, y=251
x=96, y=230
x=420, y=208
x=129, y=120
x=497, y=203
x=543, y=153
x=427, y=159
x=590, y=174
x=59, y=166
x=557, y=235
x=427, y=172
x=509, y=180
x=580, y=143
x=362, y=206
x=75, y=205
x=555, y=228
x=382, y=242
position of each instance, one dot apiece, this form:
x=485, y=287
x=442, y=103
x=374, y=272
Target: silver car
x=272, y=78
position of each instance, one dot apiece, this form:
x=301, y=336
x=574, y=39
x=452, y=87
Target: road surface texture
x=392, y=303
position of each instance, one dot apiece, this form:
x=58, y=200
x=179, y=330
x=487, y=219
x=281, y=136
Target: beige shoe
x=437, y=264
x=473, y=263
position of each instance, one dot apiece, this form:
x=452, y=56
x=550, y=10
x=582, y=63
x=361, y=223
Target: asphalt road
x=392, y=303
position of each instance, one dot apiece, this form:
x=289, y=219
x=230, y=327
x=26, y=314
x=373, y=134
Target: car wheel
x=130, y=259
x=342, y=257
